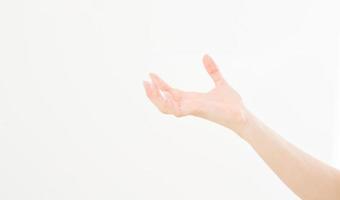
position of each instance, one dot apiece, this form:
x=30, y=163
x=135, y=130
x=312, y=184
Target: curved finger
x=161, y=84
x=176, y=94
x=154, y=95
x=157, y=99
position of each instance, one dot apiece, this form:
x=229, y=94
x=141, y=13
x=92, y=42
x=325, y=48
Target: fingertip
x=152, y=75
x=209, y=64
x=207, y=61
x=206, y=57
x=155, y=79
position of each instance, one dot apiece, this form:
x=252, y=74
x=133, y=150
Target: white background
x=75, y=123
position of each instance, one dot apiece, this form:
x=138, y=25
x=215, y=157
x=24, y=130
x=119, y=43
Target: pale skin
x=305, y=175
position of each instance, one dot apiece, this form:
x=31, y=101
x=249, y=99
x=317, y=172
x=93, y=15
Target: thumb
x=213, y=70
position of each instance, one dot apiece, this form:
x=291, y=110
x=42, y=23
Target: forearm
x=308, y=177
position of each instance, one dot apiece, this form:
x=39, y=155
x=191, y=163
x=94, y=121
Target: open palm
x=222, y=104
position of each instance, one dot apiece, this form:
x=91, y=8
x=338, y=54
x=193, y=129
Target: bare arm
x=308, y=177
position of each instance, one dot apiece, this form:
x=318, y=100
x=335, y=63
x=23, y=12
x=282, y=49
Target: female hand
x=222, y=104
x=308, y=177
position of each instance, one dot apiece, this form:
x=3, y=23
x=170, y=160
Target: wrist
x=247, y=125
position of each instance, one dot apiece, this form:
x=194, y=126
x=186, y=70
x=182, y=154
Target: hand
x=222, y=104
